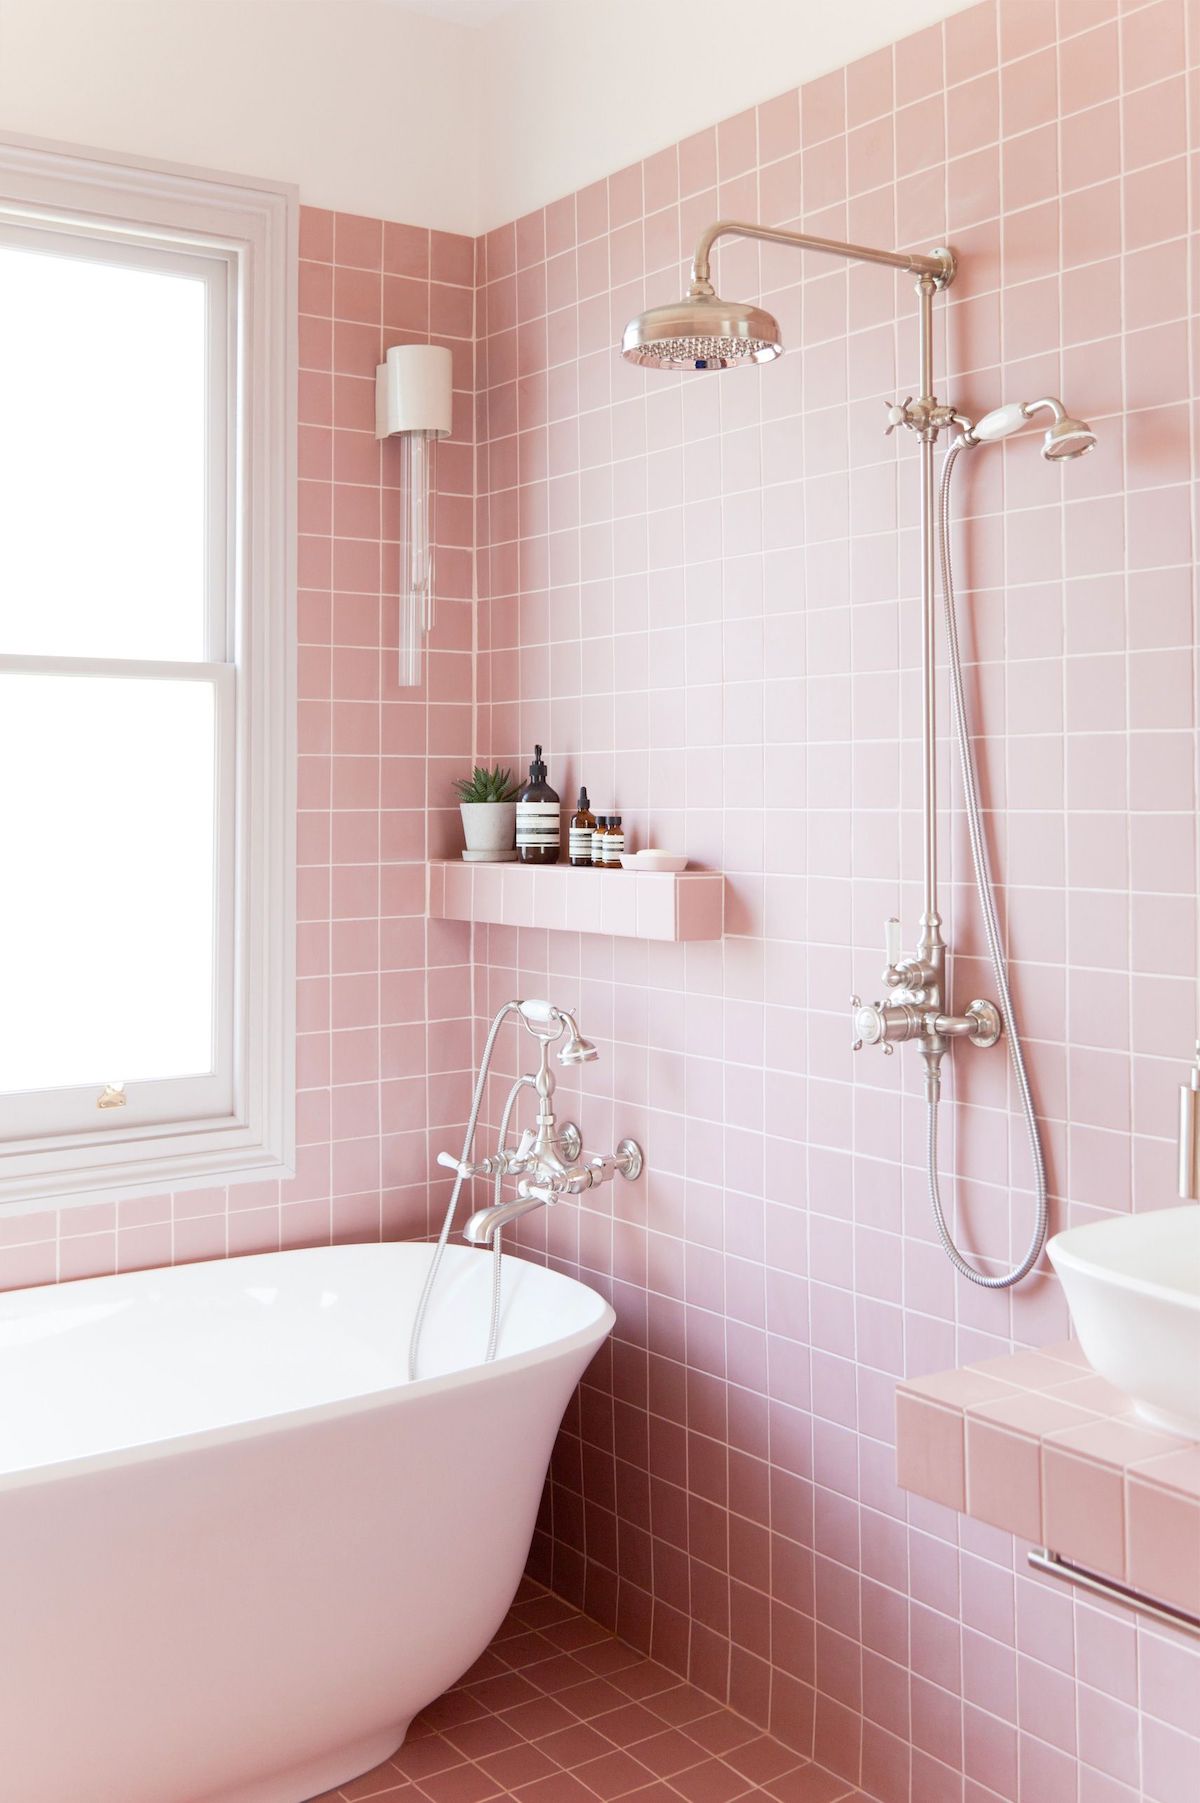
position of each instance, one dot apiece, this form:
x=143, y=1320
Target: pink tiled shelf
x=1038, y=1444
x=629, y=904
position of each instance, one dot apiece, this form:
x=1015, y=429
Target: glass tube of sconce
x=416, y=553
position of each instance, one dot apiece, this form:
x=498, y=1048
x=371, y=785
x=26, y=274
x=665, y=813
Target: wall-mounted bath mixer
x=548, y=1160
x=702, y=332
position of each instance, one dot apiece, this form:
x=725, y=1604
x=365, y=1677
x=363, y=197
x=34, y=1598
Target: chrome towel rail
x=1042, y=1559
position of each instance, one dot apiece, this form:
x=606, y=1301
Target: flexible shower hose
x=414, y=1344
x=497, y=1267
x=991, y=927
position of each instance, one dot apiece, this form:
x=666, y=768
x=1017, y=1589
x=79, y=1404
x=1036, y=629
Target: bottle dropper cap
x=582, y=804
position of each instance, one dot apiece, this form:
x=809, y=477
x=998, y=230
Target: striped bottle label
x=537, y=823
x=579, y=842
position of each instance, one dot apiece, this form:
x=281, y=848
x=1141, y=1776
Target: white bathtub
x=238, y=1551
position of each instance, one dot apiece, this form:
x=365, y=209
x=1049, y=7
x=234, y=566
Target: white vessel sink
x=1133, y=1288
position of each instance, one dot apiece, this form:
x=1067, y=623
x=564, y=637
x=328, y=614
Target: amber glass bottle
x=579, y=837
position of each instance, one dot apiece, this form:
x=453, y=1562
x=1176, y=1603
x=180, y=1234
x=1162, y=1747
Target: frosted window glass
x=103, y=408
x=107, y=904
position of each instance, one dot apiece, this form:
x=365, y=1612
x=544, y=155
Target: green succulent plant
x=486, y=785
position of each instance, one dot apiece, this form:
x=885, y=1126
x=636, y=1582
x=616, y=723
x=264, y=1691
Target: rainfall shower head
x=1065, y=438
x=702, y=331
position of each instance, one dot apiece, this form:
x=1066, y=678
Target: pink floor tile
x=483, y=1740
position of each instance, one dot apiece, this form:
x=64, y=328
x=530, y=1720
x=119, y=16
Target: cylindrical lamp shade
x=414, y=391
x=414, y=398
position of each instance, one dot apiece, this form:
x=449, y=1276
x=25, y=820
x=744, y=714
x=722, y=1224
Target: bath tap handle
x=546, y=1193
x=895, y=969
x=462, y=1167
x=897, y=412
x=881, y=1023
x=516, y=1161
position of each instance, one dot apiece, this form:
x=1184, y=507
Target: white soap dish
x=652, y=859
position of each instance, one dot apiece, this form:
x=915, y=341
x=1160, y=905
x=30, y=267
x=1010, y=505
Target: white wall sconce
x=414, y=398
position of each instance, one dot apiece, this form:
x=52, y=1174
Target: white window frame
x=237, y=1123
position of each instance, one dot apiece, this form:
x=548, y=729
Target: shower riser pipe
x=930, y=917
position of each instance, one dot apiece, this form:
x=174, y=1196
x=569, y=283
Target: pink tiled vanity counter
x=1038, y=1444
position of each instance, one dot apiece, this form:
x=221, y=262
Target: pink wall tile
x=684, y=640
x=688, y=593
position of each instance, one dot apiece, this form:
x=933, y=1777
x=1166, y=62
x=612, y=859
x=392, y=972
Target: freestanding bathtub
x=238, y=1550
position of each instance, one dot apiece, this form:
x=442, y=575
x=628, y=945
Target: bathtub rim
x=285, y=1420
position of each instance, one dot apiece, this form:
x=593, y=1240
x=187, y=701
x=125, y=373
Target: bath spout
x=486, y=1223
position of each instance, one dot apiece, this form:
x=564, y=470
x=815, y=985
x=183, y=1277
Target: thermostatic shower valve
x=893, y=1022
x=915, y=1008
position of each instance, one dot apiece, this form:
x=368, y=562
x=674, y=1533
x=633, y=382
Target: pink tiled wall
x=699, y=594
x=383, y=994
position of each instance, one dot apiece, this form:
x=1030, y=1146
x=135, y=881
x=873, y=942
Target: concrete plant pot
x=490, y=830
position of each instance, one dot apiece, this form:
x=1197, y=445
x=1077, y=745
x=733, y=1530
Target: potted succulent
x=487, y=803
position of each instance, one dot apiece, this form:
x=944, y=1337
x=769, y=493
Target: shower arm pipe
x=937, y=265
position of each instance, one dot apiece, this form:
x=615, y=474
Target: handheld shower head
x=702, y=331
x=1068, y=438
x=1065, y=438
x=547, y=1022
x=577, y=1050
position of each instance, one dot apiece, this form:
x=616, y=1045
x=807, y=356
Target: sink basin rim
x=1064, y=1250
x=1137, y=1327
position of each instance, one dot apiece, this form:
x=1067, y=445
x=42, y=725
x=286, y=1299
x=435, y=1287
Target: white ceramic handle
x=1000, y=423
x=541, y=1012
x=891, y=940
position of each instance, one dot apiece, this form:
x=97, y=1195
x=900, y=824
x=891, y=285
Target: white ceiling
x=459, y=12
x=457, y=114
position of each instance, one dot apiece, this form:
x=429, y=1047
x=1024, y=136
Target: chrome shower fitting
x=549, y=1157
x=704, y=332
x=1065, y=438
x=911, y=1014
x=914, y=1012
x=548, y=1162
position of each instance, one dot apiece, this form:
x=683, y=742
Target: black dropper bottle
x=538, y=817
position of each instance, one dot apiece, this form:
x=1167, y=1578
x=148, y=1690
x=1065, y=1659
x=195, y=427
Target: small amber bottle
x=614, y=843
x=579, y=837
x=598, y=836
